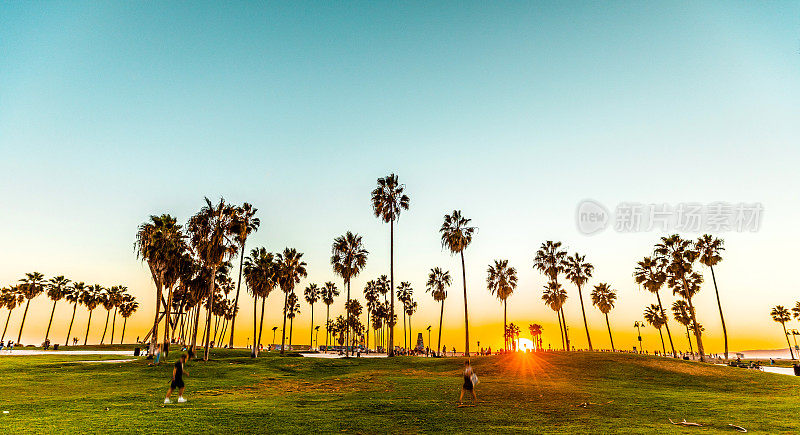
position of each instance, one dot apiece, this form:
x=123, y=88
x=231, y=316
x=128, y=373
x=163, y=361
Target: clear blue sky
x=512, y=112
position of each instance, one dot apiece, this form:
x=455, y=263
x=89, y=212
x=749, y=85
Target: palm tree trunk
x=405, y=331
x=261, y=323
x=566, y=332
x=689, y=336
x=721, y=317
x=785, y=334
x=168, y=311
x=291, y=328
x=366, y=329
x=69, y=331
x=311, y=345
x=610, y=337
x=561, y=330
x=410, y=348
x=283, y=330
x=47, y=334
x=196, y=327
x=327, y=321
x=505, y=325
x=19, y=339
x=666, y=324
x=585, y=325
x=124, y=324
x=663, y=348
x=466, y=311
x=347, y=343
x=157, y=278
x=697, y=332
x=254, y=350
x=108, y=314
x=236, y=300
x=86, y=338
x=113, y=324
x=207, y=351
x=9, y=318
x=439, y=343
x=391, y=287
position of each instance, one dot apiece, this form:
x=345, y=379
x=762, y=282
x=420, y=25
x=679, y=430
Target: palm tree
x=348, y=258
x=32, y=286
x=388, y=200
x=656, y=316
x=57, y=289
x=680, y=311
x=781, y=315
x=554, y=297
x=501, y=281
x=550, y=261
x=796, y=310
x=312, y=294
x=680, y=256
x=329, y=292
x=578, y=271
x=117, y=298
x=603, y=297
x=90, y=298
x=404, y=293
x=244, y=224
x=371, y=296
x=438, y=281
x=410, y=308
x=210, y=233
x=260, y=275
x=292, y=311
x=11, y=298
x=126, y=310
x=158, y=242
x=74, y=297
x=108, y=300
x=651, y=274
x=710, y=249
x=536, y=335
x=456, y=236
x=512, y=333
x=290, y=269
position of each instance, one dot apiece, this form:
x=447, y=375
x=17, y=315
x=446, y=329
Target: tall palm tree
x=244, y=224
x=404, y=293
x=710, y=249
x=680, y=255
x=501, y=280
x=260, y=275
x=578, y=271
x=117, y=298
x=438, y=281
x=57, y=289
x=512, y=333
x=603, y=297
x=456, y=236
x=158, y=242
x=656, y=316
x=290, y=270
x=211, y=235
x=796, y=310
x=11, y=298
x=348, y=258
x=292, y=311
x=74, y=297
x=554, y=297
x=388, y=200
x=32, y=286
x=312, y=294
x=550, y=260
x=90, y=298
x=410, y=307
x=329, y=292
x=126, y=310
x=781, y=315
x=371, y=296
x=536, y=335
x=651, y=274
x=107, y=299
x=680, y=311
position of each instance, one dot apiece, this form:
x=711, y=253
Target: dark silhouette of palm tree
x=578, y=271
x=348, y=258
x=603, y=297
x=244, y=224
x=292, y=310
x=329, y=292
x=550, y=261
x=126, y=310
x=680, y=312
x=57, y=289
x=91, y=298
x=410, y=307
x=388, y=200
x=118, y=298
x=655, y=316
x=10, y=298
x=438, y=281
x=651, y=274
x=710, y=249
x=312, y=294
x=456, y=236
x=404, y=293
x=501, y=280
x=74, y=297
x=260, y=275
x=32, y=286
x=290, y=270
x=536, y=335
x=554, y=297
x=781, y=315
x=371, y=294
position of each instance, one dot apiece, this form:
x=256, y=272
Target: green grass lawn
x=535, y=393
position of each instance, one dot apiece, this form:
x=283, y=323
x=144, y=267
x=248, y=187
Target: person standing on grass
x=177, y=379
x=469, y=384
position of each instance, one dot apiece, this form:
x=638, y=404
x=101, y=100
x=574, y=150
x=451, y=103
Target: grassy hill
x=536, y=393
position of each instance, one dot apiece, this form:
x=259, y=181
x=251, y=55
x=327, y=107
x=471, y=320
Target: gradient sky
x=511, y=112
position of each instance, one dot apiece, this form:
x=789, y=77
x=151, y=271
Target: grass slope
x=518, y=393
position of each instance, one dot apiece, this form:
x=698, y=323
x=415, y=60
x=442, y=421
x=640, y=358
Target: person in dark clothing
x=177, y=379
x=469, y=384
